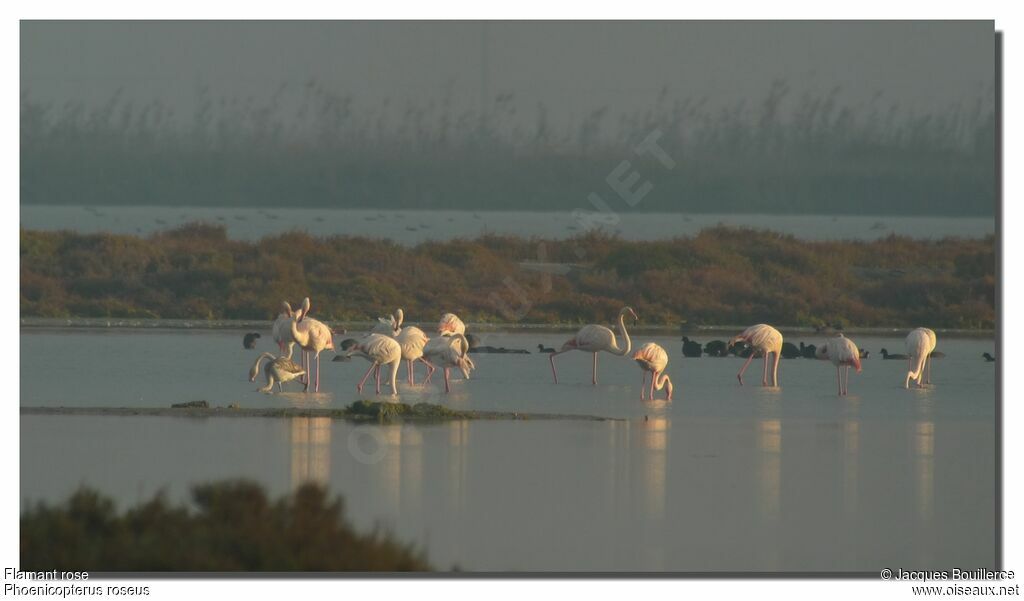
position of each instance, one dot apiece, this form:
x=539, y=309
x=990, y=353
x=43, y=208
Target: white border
x=1007, y=20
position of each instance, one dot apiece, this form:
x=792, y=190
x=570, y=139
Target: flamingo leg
x=430, y=369
x=764, y=371
x=643, y=383
x=739, y=376
x=447, y=387
x=551, y=358
x=846, y=381
x=317, y=388
x=839, y=382
x=412, y=373
x=654, y=380
x=593, y=380
x=359, y=387
x=377, y=377
x=775, y=369
x=928, y=368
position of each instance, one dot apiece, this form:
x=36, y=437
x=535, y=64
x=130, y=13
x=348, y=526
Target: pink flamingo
x=281, y=329
x=378, y=350
x=312, y=336
x=448, y=352
x=842, y=352
x=390, y=325
x=594, y=339
x=763, y=339
x=450, y=324
x=413, y=340
x=920, y=344
x=652, y=358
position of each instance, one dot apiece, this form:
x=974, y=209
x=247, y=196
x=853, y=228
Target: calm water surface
x=723, y=478
x=411, y=227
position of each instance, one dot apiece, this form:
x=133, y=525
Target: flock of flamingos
x=389, y=343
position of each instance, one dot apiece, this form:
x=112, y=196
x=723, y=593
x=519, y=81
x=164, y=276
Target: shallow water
x=411, y=227
x=724, y=478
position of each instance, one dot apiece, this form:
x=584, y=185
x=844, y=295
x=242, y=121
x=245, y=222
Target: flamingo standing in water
x=313, y=336
x=413, y=340
x=594, y=339
x=920, y=344
x=763, y=339
x=842, y=352
x=282, y=329
x=448, y=352
x=277, y=369
x=652, y=358
x=379, y=350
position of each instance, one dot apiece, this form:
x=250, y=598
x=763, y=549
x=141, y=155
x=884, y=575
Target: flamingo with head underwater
x=920, y=344
x=379, y=350
x=652, y=358
x=312, y=336
x=594, y=339
x=763, y=339
x=842, y=352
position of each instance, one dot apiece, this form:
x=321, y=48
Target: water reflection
x=769, y=467
x=655, y=444
x=851, y=466
x=310, y=441
x=458, y=441
x=924, y=469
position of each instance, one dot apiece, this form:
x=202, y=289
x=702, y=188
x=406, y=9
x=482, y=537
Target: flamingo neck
x=256, y=366
x=622, y=330
x=661, y=380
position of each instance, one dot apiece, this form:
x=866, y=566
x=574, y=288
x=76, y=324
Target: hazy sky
x=571, y=67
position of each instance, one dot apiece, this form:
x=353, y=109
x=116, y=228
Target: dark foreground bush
x=232, y=527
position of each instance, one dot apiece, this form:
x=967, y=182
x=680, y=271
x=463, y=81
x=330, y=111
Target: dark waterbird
x=790, y=351
x=249, y=341
x=545, y=349
x=989, y=358
x=807, y=351
x=863, y=353
x=716, y=348
x=887, y=355
x=937, y=355
x=691, y=348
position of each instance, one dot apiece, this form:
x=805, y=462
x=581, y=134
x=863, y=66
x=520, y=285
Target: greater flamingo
x=277, y=369
x=594, y=339
x=390, y=325
x=652, y=358
x=282, y=329
x=842, y=352
x=379, y=350
x=312, y=336
x=450, y=324
x=920, y=344
x=413, y=340
x=765, y=339
x=448, y=352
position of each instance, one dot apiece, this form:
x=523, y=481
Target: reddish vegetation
x=721, y=276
